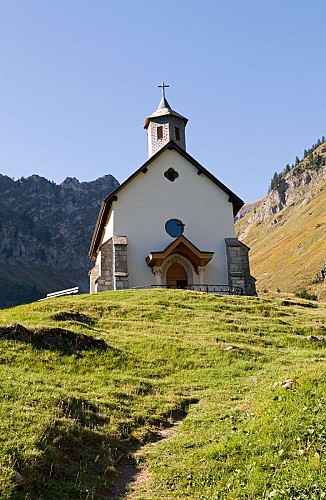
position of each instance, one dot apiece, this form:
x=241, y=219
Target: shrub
x=304, y=294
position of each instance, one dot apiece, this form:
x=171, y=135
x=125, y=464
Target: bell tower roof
x=165, y=125
x=164, y=103
x=164, y=109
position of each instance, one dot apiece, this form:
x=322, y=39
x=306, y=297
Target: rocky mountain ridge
x=45, y=233
x=286, y=229
x=295, y=190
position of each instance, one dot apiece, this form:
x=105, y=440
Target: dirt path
x=133, y=475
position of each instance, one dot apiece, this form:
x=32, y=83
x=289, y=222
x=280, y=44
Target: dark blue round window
x=174, y=227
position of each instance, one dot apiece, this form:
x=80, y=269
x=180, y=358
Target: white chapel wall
x=108, y=232
x=149, y=200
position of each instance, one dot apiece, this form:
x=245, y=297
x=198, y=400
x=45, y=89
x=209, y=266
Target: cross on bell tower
x=165, y=125
x=163, y=87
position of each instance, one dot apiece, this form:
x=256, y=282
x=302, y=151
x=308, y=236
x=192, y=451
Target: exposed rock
x=321, y=275
x=288, y=384
x=19, y=479
x=316, y=339
x=45, y=234
x=294, y=189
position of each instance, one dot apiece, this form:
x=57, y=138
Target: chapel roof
x=107, y=203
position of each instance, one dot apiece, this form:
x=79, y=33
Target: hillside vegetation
x=286, y=229
x=241, y=370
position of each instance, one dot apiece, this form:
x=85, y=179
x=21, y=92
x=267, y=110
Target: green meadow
x=68, y=419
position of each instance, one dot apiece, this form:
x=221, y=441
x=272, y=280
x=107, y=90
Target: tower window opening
x=177, y=133
x=159, y=132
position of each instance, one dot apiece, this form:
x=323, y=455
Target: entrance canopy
x=180, y=246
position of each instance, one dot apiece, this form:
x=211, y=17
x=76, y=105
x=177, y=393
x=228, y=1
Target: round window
x=174, y=227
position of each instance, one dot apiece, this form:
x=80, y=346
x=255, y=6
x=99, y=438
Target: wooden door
x=176, y=276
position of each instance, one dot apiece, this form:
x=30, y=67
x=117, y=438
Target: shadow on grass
x=73, y=316
x=56, y=339
x=79, y=454
x=308, y=305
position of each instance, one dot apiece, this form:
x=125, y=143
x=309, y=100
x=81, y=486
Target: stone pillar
x=105, y=279
x=157, y=271
x=238, y=266
x=93, y=275
x=120, y=246
x=201, y=272
x=111, y=270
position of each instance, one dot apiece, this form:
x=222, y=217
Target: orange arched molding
x=180, y=246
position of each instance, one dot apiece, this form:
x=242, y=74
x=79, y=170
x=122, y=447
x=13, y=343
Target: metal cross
x=181, y=225
x=163, y=87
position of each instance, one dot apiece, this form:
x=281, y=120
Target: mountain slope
x=286, y=229
x=45, y=233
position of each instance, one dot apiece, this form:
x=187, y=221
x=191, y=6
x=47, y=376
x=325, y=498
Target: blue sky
x=78, y=79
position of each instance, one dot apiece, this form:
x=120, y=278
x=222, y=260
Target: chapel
x=171, y=223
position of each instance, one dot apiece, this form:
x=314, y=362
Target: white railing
x=60, y=293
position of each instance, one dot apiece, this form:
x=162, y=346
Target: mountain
x=286, y=230
x=45, y=233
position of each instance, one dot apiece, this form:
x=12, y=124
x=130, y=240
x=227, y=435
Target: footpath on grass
x=133, y=472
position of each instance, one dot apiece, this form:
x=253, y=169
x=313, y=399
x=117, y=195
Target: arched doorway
x=176, y=276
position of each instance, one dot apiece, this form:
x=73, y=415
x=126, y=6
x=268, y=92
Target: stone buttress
x=111, y=272
x=238, y=266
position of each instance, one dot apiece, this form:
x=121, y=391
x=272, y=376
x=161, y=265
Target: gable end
x=107, y=203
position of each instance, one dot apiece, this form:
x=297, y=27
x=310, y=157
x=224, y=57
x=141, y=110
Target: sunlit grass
x=65, y=419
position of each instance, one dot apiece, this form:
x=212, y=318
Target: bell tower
x=165, y=125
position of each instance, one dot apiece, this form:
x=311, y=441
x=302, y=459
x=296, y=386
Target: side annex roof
x=107, y=203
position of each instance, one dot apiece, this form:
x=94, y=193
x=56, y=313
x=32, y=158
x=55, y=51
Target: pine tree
x=274, y=181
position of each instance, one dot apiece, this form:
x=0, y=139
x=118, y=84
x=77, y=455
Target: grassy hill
x=241, y=370
x=286, y=230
